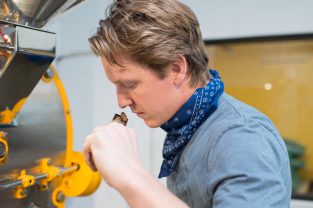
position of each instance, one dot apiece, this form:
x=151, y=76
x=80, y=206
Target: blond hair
x=154, y=33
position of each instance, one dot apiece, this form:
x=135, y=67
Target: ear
x=179, y=70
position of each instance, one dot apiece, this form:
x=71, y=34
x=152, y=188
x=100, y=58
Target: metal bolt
x=49, y=73
x=60, y=197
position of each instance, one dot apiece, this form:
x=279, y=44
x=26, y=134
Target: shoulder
x=242, y=132
x=248, y=142
x=237, y=137
x=242, y=151
x=244, y=127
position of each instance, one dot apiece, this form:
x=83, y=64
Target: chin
x=152, y=123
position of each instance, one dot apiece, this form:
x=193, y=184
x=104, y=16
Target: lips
x=140, y=114
x=137, y=112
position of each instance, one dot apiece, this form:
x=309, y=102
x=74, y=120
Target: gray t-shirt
x=236, y=159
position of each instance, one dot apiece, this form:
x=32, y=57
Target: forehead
x=111, y=69
x=129, y=69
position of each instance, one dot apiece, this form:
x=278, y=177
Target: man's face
x=153, y=99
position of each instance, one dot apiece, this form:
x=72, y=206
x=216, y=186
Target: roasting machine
x=38, y=167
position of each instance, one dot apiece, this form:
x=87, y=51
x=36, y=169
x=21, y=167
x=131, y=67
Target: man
x=218, y=152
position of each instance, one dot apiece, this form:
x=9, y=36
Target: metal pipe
x=10, y=185
x=40, y=176
x=70, y=169
x=15, y=183
x=7, y=178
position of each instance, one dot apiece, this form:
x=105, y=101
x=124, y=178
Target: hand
x=112, y=150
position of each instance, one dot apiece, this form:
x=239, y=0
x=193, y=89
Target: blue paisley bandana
x=186, y=121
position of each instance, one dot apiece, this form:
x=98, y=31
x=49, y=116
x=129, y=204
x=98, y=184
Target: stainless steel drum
x=40, y=132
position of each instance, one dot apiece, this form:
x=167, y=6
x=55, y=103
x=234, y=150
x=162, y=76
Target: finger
x=117, y=124
x=91, y=162
x=113, y=123
x=87, y=151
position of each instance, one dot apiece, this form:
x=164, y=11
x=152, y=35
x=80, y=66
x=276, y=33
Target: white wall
x=92, y=97
x=240, y=18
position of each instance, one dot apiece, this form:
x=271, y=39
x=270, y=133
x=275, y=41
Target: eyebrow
x=125, y=81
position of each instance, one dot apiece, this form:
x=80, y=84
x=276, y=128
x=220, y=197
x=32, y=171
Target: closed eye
x=130, y=85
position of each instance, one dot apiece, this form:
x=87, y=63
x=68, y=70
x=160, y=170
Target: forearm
x=145, y=191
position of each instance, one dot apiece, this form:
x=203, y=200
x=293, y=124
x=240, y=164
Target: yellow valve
x=4, y=148
x=26, y=181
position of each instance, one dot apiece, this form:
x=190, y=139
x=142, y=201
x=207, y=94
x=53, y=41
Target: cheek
x=154, y=97
x=154, y=100
x=145, y=95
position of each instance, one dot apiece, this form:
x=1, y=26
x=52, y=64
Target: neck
x=189, y=90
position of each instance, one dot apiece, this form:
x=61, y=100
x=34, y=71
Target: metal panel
x=41, y=132
x=34, y=51
x=35, y=41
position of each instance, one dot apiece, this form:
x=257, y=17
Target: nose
x=123, y=99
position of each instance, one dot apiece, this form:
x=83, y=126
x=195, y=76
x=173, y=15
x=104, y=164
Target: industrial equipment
x=38, y=167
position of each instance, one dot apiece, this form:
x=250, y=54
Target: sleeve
x=249, y=169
